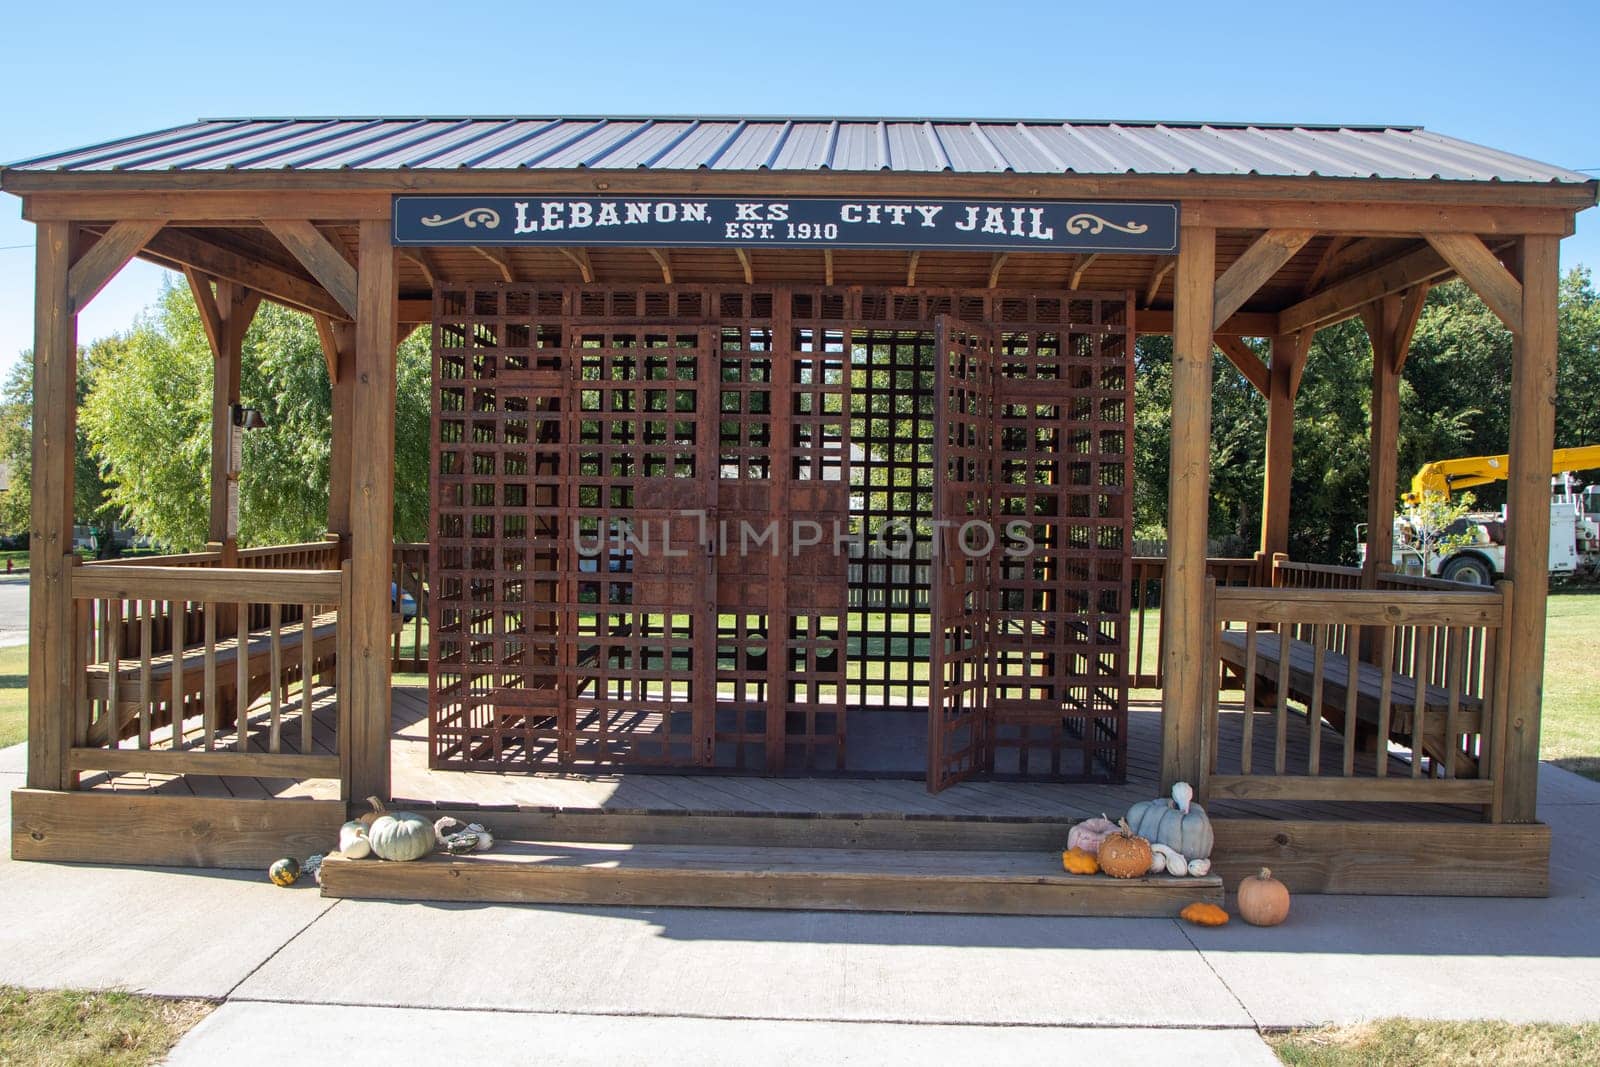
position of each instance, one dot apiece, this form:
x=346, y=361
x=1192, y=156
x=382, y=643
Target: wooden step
x=724, y=876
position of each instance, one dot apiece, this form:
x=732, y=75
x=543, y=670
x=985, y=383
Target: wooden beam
x=1079, y=267
x=580, y=256
x=1251, y=271
x=827, y=266
x=236, y=308
x=339, y=349
x=1343, y=215
x=181, y=249
x=372, y=515
x=1188, y=665
x=911, y=268
x=1344, y=298
x=317, y=254
x=1533, y=406
x=1244, y=358
x=1288, y=360
x=1390, y=323
x=205, y=302
x=1240, y=324
x=501, y=259
x=1164, y=266
x=995, y=265
x=51, y=681
x=110, y=254
x=1487, y=276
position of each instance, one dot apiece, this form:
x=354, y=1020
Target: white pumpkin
x=1176, y=822
x=353, y=841
x=401, y=835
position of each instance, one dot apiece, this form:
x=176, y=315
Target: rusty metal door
x=964, y=546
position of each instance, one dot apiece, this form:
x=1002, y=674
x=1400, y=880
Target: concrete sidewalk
x=794, y=984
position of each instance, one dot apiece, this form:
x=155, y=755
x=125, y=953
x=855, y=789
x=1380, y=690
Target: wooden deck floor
x=416, y=785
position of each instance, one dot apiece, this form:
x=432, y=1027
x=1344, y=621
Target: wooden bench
x=1300, y=681
x=137, y=685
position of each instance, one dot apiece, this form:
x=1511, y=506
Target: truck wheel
x=1470, y=570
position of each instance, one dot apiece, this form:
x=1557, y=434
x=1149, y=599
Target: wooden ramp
x=723, y=876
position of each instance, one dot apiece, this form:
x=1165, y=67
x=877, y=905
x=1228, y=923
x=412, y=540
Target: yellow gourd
x=1204, y=915
x=1077, y=861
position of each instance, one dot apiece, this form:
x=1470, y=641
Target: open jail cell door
x=963, y=564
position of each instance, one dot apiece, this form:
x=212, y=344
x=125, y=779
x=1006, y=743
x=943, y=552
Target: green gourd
x=1176, y=822
x=400, y=835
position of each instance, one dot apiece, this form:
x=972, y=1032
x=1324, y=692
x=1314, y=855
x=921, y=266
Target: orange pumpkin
x=1263, y=900
x=1125, y=855
x=1204, y=915
x=1079, y=861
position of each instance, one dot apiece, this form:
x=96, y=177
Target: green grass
x=1413, y=1043
x=73, y=1027
x=1570, y=727
x=13, y=695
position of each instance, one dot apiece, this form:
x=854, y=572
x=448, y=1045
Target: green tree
x=91, y=506
x=148, y=416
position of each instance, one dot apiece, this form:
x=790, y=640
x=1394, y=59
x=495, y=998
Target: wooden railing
x=1146, y=638
x=1389, y=694
x=263, y=703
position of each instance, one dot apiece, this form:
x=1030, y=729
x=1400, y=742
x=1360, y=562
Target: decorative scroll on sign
x=791, y=222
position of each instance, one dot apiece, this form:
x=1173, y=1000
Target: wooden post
x=55, y=418
x=341, y=358
x=1533, y=405
x=371, y=513
x=1385, y=458
x=1288, y=352
x=234, y=307
x=1187, y=664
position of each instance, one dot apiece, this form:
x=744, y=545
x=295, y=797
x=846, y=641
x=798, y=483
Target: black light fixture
x=246, y=418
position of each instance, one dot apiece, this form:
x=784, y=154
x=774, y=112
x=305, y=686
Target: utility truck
x=1473, y=548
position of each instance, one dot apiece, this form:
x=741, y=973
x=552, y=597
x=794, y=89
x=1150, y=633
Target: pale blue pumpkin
x=1179, y=824
x=401, y=836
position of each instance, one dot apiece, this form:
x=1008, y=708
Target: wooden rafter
x=1079, y=267
x=1250, y=271
x=580, y=256
x=664, y=258
x=317, y=254
x=179, y=249
x=1344, y=298
x=1242, y=356
x=1469, y=257
x=1163, y=267
x=911, y=268
x=995, y=265
x=110, y=254
x=501, y=259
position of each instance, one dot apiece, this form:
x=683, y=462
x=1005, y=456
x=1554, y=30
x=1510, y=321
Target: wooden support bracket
x=995, y=265
x=110, y=254
x=827, y=266
x=1159, y=275
x=580, y=256
x=1250, y=271
x=1469, y=257
x=1245, y=359
x=316, y=253
x=911, y=269
x=664, y=258
x=1079, y=267
x=206, y=302
x=501, y=259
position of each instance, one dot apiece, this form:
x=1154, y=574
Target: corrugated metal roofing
x=962, y=146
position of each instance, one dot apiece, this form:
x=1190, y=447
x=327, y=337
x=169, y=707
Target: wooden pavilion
x=796, y=327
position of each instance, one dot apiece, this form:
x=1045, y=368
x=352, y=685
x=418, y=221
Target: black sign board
x=908, y=223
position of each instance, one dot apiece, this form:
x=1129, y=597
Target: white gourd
x=1199, y=867
x=353, y=841
x=1170, y=860
x=1158, y=861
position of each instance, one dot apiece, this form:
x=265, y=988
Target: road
x=13, y=609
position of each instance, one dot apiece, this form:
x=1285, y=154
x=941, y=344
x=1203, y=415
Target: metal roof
x=853, y=145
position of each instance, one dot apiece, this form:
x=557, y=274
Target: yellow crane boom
x=1447, y=475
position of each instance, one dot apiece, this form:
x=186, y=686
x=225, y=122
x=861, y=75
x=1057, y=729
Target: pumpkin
x=353, y=840
x=1079, y=861
x=1125, y=854
x=1204, y=915
x=1090, y=833
x=399, y=835
x=284, y=872
x=1175, y=821
x=1263, y=900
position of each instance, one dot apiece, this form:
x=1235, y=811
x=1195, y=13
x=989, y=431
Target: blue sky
x=1518, y=77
